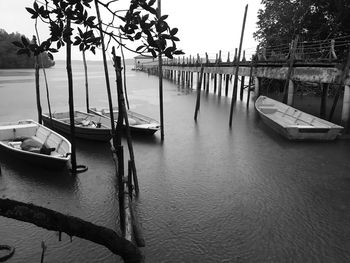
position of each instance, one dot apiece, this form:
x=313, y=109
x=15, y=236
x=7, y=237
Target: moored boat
x=295, y=124
x=138, y=123
x=28, y=140
x=87, y=126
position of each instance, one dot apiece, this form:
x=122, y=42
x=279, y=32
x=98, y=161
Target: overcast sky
x=204, y=26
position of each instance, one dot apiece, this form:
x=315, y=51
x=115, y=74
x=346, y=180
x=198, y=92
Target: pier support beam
x=345, y=115
x=256, y=87
x=290, y=96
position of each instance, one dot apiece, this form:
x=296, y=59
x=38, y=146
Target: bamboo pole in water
x=199, y=84
x=114, y=136
x=37, y=86
x=71, y=102
x=290, y=68
x=124, y=73
x=124, y=114
x=86, y=83
x=323, y=107
x=160, y=62
x=242, y=81
x=234, y=93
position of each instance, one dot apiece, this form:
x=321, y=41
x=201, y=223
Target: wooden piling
x=160, y=61
x=71, y=101
x=108, y=86
x=234, y=94
x=220, y=75
x=86, y=83
x=290, y=68
x=123, y=111
x=37, y=86
x=324, y=96
x=199, y=84
x=290, y=96
x=345, y=116
x=340, y=81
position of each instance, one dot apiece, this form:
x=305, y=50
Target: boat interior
x=31, y=137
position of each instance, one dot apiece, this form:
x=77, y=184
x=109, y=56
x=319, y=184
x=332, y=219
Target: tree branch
x=73, y=226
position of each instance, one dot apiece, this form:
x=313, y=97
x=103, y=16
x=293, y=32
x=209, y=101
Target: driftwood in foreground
x=72, y=226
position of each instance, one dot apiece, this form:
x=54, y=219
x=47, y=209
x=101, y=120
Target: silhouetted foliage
x=139, y=22
x=281, y=20
x=9, y=44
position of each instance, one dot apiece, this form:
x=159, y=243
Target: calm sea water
x=208, y=193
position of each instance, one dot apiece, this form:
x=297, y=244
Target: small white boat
x=35, y=143
x=138, y=123
x=295, y=124
x=87, y=126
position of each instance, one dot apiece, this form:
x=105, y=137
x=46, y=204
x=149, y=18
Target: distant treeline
x=9, y=57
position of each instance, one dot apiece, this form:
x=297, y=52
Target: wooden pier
x=293, y=66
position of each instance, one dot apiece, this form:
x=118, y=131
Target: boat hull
x=294, y=124
x=11, y=133
x=138, y=124
x=95, y=134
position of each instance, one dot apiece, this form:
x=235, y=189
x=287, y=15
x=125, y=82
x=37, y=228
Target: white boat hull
x=12, y=136
x=294, y=124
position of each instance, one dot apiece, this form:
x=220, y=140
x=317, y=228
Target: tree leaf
x=173, y=31
x=24, y=41
x=18, y=44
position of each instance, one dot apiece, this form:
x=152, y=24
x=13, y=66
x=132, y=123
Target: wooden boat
x=138, y=123
x=294, y=124
x=87, y=126
x=35, y=143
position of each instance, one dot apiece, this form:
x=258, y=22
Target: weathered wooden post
x=227, y=78
x=86, y=82
x=220, y=76
x=199, y=84
x=37, y=85
x=122, y=110
x=234, y=93
x=215, y=75
x=208, y=74
x=290, y=69
x=71, y=100
x=160, y=84
x=345, y=116
x=325, y=87
x=108, y=86
x=242, y=80
x=290, y=96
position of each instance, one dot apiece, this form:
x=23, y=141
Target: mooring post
x=220, y=75
x=71, y=102
x=86, y=82
x=323, y=108
x=37, y=85
x=122, y=109
x=340, y=81
x=290, y=69
x=199, y=84
x=215, y=75
x=250, y=83
x=346, y=109
x=120, y=156
x=234, y=94
x=242, y=80
x=257, y=87
x=290, y=97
